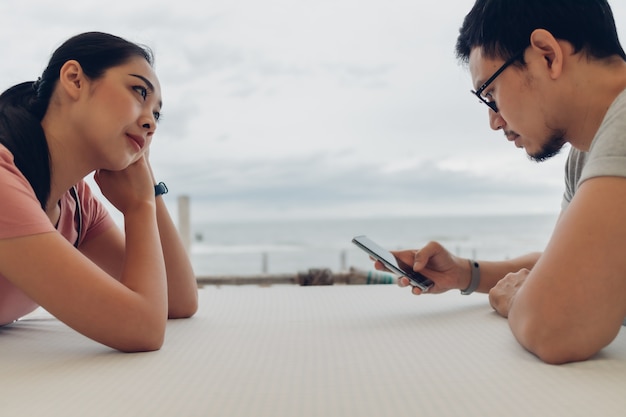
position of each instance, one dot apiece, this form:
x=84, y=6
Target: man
x=552, y=72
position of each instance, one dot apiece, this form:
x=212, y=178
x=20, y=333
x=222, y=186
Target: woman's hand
x=129, y=186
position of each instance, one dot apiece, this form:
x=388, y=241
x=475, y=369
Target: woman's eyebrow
x=148, y=83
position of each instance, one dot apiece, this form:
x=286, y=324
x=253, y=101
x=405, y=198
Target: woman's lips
x=138, y=139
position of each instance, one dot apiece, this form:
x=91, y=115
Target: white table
x=308, y=351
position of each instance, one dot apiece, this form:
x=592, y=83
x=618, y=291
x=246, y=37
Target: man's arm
x=449, y=272
x=573, y=302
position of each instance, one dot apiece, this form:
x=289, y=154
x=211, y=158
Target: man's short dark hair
x=502, y=28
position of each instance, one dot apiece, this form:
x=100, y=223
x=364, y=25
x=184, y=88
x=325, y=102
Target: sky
x=297, y=109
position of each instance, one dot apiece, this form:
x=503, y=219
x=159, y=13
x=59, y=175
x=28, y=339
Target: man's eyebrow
x=148, y=83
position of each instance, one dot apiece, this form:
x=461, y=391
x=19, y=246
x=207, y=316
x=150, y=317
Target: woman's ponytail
x=21, y=112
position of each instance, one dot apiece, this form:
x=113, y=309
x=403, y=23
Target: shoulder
x=612, y=128
x=20, y=212
x=573, y=169
x=607, y=154
x=84, y=192
x=11, y=178
x=575, y=162
x=7, y=163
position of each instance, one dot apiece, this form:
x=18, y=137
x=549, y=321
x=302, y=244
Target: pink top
x=22, y=215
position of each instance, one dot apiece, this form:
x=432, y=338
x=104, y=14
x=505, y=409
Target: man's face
x=521, y=107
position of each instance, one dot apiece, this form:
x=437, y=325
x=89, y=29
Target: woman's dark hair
x=502, y=28
x=23, y=106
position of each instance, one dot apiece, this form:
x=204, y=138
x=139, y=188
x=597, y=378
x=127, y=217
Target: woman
x=94, y=108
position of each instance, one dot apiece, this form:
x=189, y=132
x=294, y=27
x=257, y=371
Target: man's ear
x=72, y=78
x=545, y=45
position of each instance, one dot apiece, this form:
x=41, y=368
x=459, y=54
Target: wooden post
x=184, y=221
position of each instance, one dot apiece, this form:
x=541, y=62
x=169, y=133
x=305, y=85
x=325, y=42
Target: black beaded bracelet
x=160, y=189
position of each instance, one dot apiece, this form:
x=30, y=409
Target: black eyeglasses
x=479, y=93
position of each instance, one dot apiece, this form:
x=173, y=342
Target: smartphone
x=392, y=263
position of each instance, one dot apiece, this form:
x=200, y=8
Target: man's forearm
x=491, y=272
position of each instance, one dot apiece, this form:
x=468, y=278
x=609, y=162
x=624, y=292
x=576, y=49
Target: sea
x=250, y=248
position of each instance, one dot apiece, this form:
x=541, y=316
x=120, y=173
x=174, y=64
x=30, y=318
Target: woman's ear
x=72, y=78
x=544, y=44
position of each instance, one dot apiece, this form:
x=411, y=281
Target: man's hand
x=502, y=295
x=436, y=263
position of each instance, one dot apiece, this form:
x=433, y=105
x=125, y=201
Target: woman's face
x=120, y=112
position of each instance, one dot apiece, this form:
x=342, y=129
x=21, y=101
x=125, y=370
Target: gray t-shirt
x=606, y=156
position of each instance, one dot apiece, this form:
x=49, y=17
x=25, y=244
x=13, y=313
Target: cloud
x=287, y=108
x=333, y=185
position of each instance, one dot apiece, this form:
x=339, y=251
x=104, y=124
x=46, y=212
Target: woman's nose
x=148, y=123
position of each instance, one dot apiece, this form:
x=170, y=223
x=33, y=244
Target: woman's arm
x=128, y=315
x=182, y=287
x=107, y=250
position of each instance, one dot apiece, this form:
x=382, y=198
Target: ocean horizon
x=248, y=248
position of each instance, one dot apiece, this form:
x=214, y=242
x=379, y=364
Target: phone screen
x=391, y=262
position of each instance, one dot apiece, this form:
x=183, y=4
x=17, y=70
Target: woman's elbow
x=183, y=310
x=147, y=344
x=141, y=334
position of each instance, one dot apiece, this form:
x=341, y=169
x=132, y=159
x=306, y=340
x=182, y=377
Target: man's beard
x=549, y=149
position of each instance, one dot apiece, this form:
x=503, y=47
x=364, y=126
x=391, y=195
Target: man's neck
x=594, y=90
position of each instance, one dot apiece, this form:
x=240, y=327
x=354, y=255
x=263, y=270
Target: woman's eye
x=143, y=91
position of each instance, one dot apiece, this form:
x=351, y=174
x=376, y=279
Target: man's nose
x=496, y=121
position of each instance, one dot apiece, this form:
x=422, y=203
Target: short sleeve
x=20, y=212
x=573, y=168
x=607, y=154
